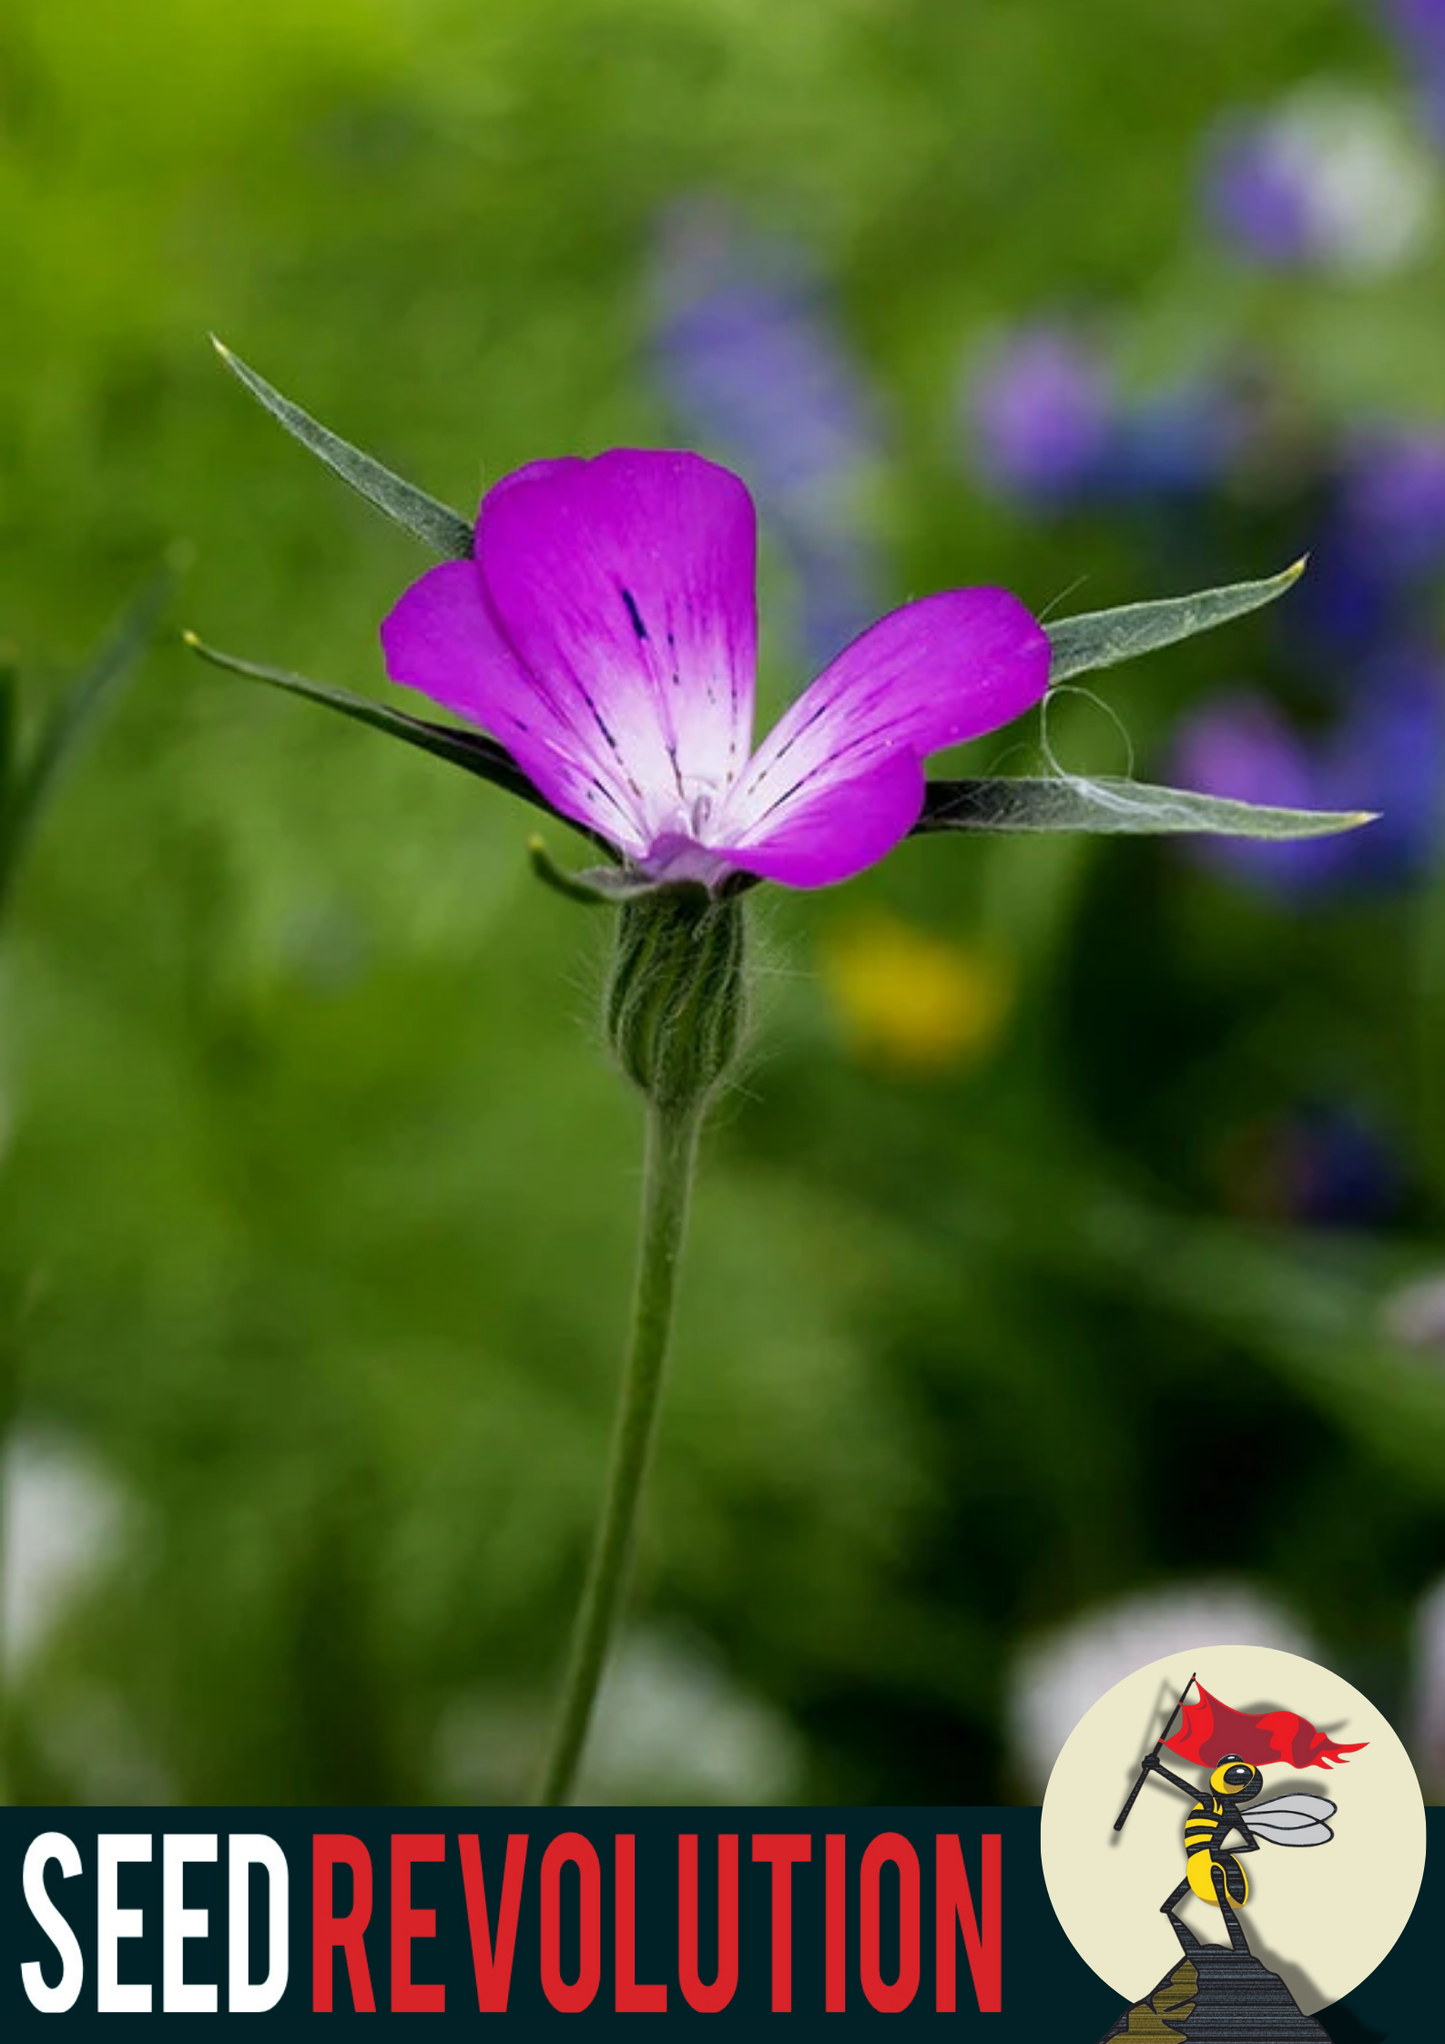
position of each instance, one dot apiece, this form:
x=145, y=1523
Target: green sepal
x=1104, y=638
x=435, y=524
x=597, y=886
x=1118, y=807
x=32, y=775
x=467, y=749
x=676, y=1003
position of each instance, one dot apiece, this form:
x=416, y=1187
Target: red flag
x=1211, y=1729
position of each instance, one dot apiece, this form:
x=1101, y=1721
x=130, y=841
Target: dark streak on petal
x=634, y=613
x=787, y=795
x=616, y=749
x=792, y=739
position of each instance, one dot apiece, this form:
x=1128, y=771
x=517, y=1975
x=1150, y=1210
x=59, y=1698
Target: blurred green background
x=1048, y=1264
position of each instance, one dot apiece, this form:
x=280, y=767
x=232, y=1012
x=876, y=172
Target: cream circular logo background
x=1321, y=1916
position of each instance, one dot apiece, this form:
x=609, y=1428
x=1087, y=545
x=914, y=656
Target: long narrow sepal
x=1117, y=807
x=1104, y=638
x=33, y=774
x=467, y=749
x=435, y=524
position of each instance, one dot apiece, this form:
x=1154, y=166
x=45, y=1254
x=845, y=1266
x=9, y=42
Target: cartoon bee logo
x=1217, y=1829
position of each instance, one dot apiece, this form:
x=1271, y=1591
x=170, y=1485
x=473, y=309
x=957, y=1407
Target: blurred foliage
x=311, y=1139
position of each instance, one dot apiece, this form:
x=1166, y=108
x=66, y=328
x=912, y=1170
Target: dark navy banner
x=909, y=1915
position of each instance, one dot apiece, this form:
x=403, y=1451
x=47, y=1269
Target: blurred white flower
x=672, y=1726
x=1415, y=1314
x=63, y=1518
x=1330, y=176
x=1058, y=1676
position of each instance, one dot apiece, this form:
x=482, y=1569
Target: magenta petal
x=441, y=638
x=626, y=586
x=816, y=842
x=839, y=779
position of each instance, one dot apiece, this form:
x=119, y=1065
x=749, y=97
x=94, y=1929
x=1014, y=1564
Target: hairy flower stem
x=672, y=1133
x=674, y=1016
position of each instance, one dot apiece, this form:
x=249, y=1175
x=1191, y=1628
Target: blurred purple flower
x=1418, y=27
x=1337, y=1169
x=1348, y=605
x=1257, y=195
x=1385, y=752
x=1240, y=744
x=750, y=357
x=1041, y=412
x=1381, y=540
x=1420, y=23
x=1393, y=499
x=1393, y=742
x=1049, y=428
x=1179, y=443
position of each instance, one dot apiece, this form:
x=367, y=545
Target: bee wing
x=1292, y=1820
x=1314, y=1809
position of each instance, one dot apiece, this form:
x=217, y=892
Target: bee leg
x=1227, y=1909
x=1187, y=1940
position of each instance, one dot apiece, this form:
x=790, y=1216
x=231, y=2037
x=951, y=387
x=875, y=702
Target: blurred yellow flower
x=911, y=1000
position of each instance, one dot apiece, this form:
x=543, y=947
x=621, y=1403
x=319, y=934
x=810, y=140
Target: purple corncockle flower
x=1042, y=411
x=605, y=633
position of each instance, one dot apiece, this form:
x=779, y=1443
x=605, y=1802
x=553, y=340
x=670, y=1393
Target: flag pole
x=1143, y=1767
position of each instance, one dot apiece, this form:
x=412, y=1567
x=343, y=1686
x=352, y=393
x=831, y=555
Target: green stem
x=672, y=1133
x=9, y=1401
